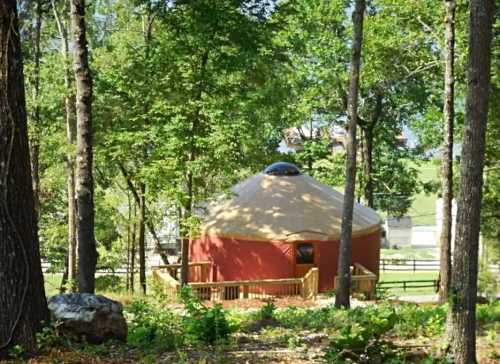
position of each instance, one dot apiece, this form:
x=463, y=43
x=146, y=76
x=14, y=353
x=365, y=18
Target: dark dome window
x=282, y=169
x=304, y=253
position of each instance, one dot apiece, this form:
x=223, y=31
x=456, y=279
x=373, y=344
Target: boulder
x=89, y=317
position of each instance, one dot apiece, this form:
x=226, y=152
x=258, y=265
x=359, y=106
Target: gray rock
x=89, y=317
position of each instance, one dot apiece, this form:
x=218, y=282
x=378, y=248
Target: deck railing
x=310, y=284
x=169, y=284
x=248, y=289
x=305, y=287
x=362, y=281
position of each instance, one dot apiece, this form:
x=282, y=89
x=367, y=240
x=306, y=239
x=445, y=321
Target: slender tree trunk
x=447, y=163
x=344, y=262
x=22, y=297
x=184, y=230
x=142, y=238
x=35, y=140
x=132, y=251
x=188, y=206
x=70, y=115
x=64, y=278
x=84, y=181
x=463, y=291
x=368, y=126
x=368, y=166
x=149, y=224
x=129, y=222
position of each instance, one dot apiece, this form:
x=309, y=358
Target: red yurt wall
x=365, y=250
x=236, y=259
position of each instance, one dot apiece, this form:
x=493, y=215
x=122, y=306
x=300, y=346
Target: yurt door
x=306, y=257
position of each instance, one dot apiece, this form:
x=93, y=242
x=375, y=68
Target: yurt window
x=305, y=253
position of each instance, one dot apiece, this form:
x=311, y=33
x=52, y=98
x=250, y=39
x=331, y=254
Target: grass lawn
x=423, y=208
x=52, y=283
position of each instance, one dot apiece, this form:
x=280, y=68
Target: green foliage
x=109, y=283
x=267, y=311
x=415, y=320
x=153, y=327
x=490, y=313
x=360, y=336
x=204, y=324
x=16, y=352
x=49, y=337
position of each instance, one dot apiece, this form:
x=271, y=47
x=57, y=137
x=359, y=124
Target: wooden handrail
x=247, y=282
x=365, y=281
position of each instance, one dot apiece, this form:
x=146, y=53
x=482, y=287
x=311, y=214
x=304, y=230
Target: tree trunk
x=35, y=140
x=368, y=166
x=64, y=279
x=188, y=206
x=129, y=230
x=135, y=194
x=142, y=238
x=368, y=126
x=132, y=251
x=447, y=162
x=184, y=230
x=463, y=290
x=69, y=103
x=343, y=272
x=22, y=297
x=84, y=182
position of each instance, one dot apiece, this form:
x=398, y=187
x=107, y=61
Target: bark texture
x=465, y=256
x=343, y=272
x=35, y=116
x=84, y=180
x=368, y=126
x=70, y=115
x=447, y=162
x=23, y=307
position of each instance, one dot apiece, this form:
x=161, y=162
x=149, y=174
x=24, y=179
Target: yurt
x=279, y=224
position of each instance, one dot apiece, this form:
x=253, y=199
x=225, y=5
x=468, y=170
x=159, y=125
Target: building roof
x=268, y=207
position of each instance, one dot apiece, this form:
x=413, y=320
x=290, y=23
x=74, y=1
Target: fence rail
x=415, y=265
x=424, y=283
x=419, y=265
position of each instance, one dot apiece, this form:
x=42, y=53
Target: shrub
x=488, y=313
x=266, y=312
x=415, y=320
x=151, y=326
x=359, y=336
x=49, y=337
x=203, y=324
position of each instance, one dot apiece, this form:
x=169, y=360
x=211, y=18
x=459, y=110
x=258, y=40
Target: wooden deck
x=305, y=287
x=362, y=281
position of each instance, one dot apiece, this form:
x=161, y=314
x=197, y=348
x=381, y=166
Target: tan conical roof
x=284, y=208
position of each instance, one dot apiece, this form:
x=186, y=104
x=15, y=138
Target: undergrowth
x=359, y=335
